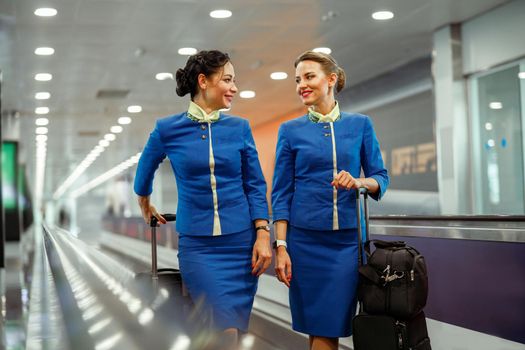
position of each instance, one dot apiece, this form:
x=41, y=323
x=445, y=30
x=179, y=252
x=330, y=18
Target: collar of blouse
x=332, y=116
x=196, y=113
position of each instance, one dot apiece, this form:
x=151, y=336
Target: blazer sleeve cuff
x=281, y=215
x=259, y=214
x=143, y=192
x=382, y=188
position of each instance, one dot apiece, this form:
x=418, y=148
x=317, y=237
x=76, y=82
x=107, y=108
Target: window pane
x=501, y=144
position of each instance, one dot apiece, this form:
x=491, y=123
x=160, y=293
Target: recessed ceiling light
x=325, y=50
x=116, y=129
x=103, y=143
x=521, y=75
x=491, y=143
x=46, y=12
x=44, y=51
x=41, y=121
x=382, y=15
x=278, y=75
x=488, y=126
x=41, y=138
x=42, y=95
x=134, y=109
x=220, y=14
x=41, y=130
x=42, y=110
x=495, y=105
x=187, y=51
x=109, y=137
x=43, y=77
x=164, y=76
x=247, y=94
x=124, y=120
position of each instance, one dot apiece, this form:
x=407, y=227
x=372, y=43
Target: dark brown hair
x=203, y=62
x=328, y=65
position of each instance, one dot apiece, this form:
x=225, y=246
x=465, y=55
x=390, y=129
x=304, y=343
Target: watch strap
x=279, y=242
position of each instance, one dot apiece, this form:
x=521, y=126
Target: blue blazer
x=302, y=193
x=240, y=185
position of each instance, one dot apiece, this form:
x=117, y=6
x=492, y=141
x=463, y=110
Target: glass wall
x=498, y=147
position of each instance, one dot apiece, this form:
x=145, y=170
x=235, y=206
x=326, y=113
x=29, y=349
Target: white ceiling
x=96, y=41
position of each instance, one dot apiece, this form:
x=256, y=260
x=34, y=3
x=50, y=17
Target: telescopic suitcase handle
x=153, y=224
x=364, y=191
x=154, y=221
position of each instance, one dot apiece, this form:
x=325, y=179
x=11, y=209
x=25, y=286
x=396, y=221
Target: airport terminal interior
x=83, y=82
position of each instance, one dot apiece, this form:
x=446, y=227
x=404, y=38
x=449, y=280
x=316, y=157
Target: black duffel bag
x=394, y=281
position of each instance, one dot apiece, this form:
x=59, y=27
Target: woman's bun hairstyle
x=328, y=65
x=203, y=62
x=341, y=79
x=182, y=82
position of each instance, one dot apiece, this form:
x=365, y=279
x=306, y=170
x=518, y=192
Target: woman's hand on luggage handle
x=262, y=252
x=148, y=210
x=344, y=180
x=283, y=266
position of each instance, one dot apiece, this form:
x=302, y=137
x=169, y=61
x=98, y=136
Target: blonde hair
x=328, y=65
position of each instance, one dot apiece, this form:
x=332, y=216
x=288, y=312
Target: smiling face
x=219, y=88
x=313, y=85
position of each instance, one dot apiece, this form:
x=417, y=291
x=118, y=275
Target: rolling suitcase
x=168, y=278
x=384, y=332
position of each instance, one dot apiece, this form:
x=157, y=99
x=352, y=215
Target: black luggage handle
x=153, y=224
x=358, y=192
x=169, y=217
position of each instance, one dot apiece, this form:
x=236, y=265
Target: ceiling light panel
x=42, y=110
x=43, y=77
x=42, y=95
x=44, y=51
x=247, y=94
x=41, y=121
x=164, y=76
x=124, y=120
x=220, y=14
x=187, y=51
x=278, y=75
x=325, y=50
x=116, y=129
x=495, y=105
x=382, y=15
x=134, y=109
x=110, y=137
x=41, y=130
x=46, y=12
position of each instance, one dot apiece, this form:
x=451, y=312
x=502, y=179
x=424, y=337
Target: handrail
x=495, y=229
x=102, y=302
x=490, y=218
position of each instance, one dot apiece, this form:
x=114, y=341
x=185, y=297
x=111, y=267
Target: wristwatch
x=279, y=242
x=263, y=227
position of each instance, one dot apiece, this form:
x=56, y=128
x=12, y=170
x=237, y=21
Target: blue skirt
x=323, y=289
x=218, y=270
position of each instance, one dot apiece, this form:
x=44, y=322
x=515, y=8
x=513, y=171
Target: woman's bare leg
x=323, y=343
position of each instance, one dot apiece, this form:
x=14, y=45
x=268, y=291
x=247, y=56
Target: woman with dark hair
x=318, y=164
x=222, y=213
